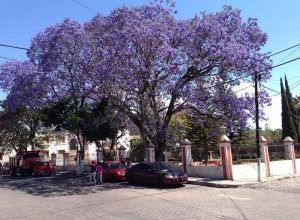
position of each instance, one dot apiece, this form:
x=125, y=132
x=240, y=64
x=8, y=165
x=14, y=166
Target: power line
x=277, y=80
x=291, y=53
x=281, y=51
x=7, y=58
x=84, y=6
x=242, y=89
x=15, y=47
x=273, y=90
x=242, y=77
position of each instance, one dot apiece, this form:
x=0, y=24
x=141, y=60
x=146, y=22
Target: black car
x=157, y=173
x=5, y=168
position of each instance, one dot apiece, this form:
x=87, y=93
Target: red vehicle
x=24, y=162
x=44, y=168
x=158, y=174
x=113, y=170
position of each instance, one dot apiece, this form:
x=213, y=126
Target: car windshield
x=117, y=166
x=42, y=163
x=164, y=166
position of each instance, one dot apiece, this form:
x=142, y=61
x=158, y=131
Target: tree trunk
x=161, y=145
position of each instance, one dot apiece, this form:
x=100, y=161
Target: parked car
x=5, y=168
x=113, y=170
x=44, y=168
x=157, y=174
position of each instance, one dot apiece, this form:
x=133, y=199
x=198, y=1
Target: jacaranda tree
x=61, y=53
x=156, y=65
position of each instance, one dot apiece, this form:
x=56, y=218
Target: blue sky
x=22, y=20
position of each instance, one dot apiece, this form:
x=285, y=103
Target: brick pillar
x=186, y=154
x=122, y=152
x=226, y=157
x=53, y=159
x=150, y=154
x=65, y=160
x=99, y=155
x=264, y=152
x=290, y=151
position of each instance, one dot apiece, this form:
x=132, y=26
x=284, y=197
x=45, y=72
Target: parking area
x=65, y=197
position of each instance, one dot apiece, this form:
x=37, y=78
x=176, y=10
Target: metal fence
x=297, y=150
x=276, y=152
x=59, y=161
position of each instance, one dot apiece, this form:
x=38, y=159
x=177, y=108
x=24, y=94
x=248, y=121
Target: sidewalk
x=222, y=183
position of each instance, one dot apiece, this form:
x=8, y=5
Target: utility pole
x=256, y=78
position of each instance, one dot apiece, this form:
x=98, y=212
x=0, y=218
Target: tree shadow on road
x=62, y=184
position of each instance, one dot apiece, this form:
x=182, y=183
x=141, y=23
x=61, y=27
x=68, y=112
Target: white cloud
x=273, y=113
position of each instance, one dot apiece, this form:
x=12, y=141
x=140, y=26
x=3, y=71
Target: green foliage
x=289, y=122
x=273, y=136
x=137, y=150
x=18, y=129
x=102, y=122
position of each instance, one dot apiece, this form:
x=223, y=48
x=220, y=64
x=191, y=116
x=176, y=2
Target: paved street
x=66, y=197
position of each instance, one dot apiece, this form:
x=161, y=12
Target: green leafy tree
x=19, y=129
x=288, y=127
x=273, y=136
x=292, y=106
x=68, y=114
x=102, y=122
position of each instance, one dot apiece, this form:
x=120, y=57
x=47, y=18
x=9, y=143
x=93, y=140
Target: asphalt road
x=66, y=197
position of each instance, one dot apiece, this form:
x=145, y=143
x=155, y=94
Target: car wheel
x=22, y=171
x=130, y=180
x=159, y=182
x=111, y=178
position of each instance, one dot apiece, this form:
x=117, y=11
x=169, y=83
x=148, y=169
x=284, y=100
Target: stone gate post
x=226, y=157
x=186, y=154
x=99, y=155
x=122, y=152
x=53, y=159
x=65, y=160
x=150, y=154
x=290, y=151
x=263, y=143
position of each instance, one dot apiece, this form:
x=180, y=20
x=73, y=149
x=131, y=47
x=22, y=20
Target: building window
x=73, y=144
x=61, y=151
x=60, y=139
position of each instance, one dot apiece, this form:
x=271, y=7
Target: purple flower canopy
x=151, y=63
x=146, y=52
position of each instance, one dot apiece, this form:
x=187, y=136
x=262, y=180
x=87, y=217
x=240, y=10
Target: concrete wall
x=206, y=171
x=247, y=171
x=281, y=167
x=298, y=165
x=278, y=168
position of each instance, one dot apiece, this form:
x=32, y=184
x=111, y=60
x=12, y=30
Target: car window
x=164, y=166
x=42, y=163
x=145, y=166
x=104, y=165
x=117, y=166
x=141, y=166
x=31, y=155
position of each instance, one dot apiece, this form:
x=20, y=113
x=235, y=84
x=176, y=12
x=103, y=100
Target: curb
x=218, y=185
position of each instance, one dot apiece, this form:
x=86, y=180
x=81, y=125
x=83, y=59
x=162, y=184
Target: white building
x=60, y=143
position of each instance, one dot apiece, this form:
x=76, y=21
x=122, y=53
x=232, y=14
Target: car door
x=144, y=173
x=105, y=172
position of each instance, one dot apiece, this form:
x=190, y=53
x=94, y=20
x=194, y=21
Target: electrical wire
x=281, y=51
x=12, y=46
x=6, y=58
x=242, y=77
x=84, y=6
